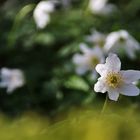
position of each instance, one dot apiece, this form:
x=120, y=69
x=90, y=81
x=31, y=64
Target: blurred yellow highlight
x=78, y=125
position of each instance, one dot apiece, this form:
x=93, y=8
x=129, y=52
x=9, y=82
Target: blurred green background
x=52, y=87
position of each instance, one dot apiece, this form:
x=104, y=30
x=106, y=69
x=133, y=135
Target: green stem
x=105, y=104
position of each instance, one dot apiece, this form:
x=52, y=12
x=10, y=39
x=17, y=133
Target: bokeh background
x=53, y=89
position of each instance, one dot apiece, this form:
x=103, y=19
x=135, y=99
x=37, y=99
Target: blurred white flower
x=100, y=7
x=42, y=12
x=88, y=60
x=116, y=81
x=11, y=79
x=119, y=40
x=96, y=38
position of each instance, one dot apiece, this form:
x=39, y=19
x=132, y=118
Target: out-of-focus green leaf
x=76, y=82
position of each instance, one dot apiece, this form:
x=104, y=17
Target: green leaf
x=78, y=83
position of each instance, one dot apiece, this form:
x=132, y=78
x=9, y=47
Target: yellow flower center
x=114, y=80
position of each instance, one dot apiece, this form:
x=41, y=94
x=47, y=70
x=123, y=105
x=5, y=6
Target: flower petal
x=42, y=20
x=131, y=47
x=113, y=95
x=84, y=48
x=113, y=62
x=111, y=40
x=78, y=59
x=10, y=89
x=100, y=87
x=101, y=69
x=129, y=90
x=130, y=75
x=97, y=52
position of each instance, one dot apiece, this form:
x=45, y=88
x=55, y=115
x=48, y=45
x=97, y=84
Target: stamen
x=114, y=79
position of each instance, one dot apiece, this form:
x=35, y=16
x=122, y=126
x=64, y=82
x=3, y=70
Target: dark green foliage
x=45, y=55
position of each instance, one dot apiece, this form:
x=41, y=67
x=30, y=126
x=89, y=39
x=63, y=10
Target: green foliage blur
x=78, y=125
x=45, y=56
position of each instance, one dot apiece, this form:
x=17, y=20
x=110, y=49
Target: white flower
x=89, y=59
x=119, y=40
x=11, y=79
x=116, y=81
x=42, y=12
x=97, y=38
x=100, y=7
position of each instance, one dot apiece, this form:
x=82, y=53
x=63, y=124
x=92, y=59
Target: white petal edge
x=113, y=62
x=130, y=75
x=10, y=89
x=129, y=90
x=101, y=69
x=111, y=40
x=113, y=95
x=84, y=48
x=100, y=87
x=78, y=59
x=97, y=52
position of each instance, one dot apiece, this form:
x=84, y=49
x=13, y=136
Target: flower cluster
x=112, y=80
x=116, y=81
x=122, y=40
x=117, y=42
